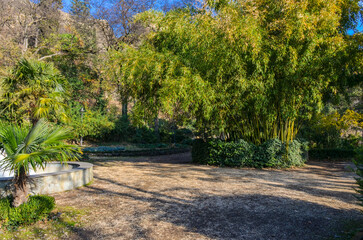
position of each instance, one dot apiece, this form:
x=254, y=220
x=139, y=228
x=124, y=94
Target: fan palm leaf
x=32, y=149
x=33, y=89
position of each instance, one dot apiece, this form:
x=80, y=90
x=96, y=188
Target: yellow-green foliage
x=327, y=130
x=32, y=90
x=349, y=120
x=250, y=69
x=93, y=125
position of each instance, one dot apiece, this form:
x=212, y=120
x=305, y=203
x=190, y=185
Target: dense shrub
x=94, y=125
x=102, y=149
x=122, y=130
x=125, y=131
x=37, y=208
x=333, y=130
x=169, y=135
x=272, y=153
x=328, y=154
x=140, y=150
x=152, y=145
x=230, y=153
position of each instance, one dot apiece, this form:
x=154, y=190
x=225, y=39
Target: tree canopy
x=247, y=69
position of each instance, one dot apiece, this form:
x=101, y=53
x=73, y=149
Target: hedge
x=272, y=153
x=140, y=152
x=102, y=149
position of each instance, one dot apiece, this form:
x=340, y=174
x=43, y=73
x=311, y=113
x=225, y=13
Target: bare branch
x=50, y=56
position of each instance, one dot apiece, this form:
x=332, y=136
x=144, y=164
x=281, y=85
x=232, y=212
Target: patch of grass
x=36, y=208
x=61, y=224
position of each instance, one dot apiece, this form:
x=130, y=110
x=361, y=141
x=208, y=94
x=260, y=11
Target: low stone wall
x=75, y=174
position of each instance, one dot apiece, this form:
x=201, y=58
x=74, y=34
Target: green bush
x=37, y=208
x=328, y=154
x=94, y=125
x=102, y=149
x=272, y=153
x=230, y=154
x=124, y=131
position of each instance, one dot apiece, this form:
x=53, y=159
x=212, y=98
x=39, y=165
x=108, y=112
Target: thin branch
x=52, y=55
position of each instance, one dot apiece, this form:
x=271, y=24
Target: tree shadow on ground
x=257, y=217
x=242, y=216
x=181, y=158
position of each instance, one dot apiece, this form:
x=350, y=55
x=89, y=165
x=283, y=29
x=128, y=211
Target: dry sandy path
x=166, y=197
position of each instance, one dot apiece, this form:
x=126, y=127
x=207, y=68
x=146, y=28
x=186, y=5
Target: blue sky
x=67, y=4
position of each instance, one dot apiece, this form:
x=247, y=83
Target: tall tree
x=264, y=65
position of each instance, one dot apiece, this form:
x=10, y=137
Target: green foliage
x=359, y=171
x=145, y=149
x=169, y=133
x=125, y=131
x=94, y=125
x=163, y=87
x=37, y=208
x=237, y=68
x=330, y=154
x=33, y=90
x=334, y=130
x=272, y=153
x=231, y=154
x=200, y=151
x=102, y=149
x=74, y=55
x=34, y=147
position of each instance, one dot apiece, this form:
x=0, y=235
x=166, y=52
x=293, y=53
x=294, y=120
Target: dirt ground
x=167, y=197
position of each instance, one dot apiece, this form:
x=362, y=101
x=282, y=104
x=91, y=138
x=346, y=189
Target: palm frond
x=36, y=147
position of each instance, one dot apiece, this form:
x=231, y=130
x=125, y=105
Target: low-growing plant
x=102, y=149
x=27, y=149
x=94, y=125
x=331, y=154
x=38, y=207
x=272, y=153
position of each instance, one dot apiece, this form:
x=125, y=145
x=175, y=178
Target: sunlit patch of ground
x=167, y=197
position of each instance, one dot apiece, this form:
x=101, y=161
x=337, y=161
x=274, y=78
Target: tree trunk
x=21, y=190
x=156, y=128
x=124, y=107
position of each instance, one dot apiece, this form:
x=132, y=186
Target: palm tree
x=32, y=149
x=33, y=90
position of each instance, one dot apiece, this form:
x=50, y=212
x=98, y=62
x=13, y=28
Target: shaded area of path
x=166, y=197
